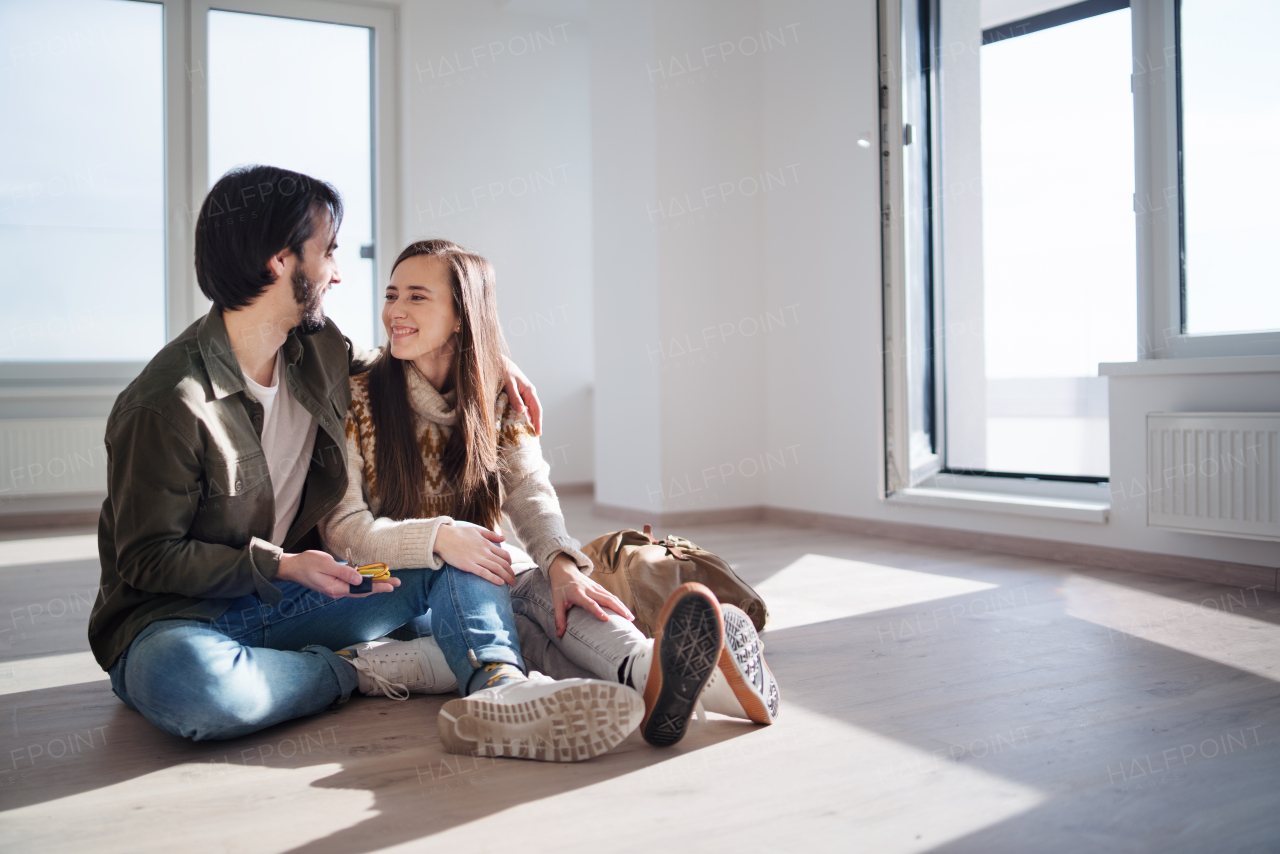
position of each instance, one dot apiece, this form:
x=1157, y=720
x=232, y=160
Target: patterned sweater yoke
x=528, y=500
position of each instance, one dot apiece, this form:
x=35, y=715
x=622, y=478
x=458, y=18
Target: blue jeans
x=258, y=665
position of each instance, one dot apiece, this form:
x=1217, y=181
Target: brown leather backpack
x=643, y=572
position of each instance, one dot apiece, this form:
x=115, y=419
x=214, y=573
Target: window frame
x=186, y=183
x=906, y=469
x=1159, y=201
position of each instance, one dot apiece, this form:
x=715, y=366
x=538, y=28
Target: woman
x=433, y=446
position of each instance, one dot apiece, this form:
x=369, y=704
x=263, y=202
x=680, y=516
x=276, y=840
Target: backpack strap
x=671, y=544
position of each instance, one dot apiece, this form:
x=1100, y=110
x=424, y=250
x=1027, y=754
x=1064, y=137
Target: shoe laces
x=394, y=690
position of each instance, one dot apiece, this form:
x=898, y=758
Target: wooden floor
x=932, y=700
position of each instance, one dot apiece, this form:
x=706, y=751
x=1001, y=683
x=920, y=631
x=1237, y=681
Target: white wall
x=709, y=161
x=496, y=150
x=627, y=406
x=677, y=219
x=822, y=253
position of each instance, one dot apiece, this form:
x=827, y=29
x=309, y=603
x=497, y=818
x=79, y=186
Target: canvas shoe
x=672, y=674
x=397, y=669
x=742, y=686
x=564, y=720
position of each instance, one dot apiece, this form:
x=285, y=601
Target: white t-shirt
x=288, y=435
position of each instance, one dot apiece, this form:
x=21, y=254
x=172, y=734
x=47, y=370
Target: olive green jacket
x=186, y=526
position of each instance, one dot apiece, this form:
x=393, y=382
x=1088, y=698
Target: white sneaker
x=400, y=668
x=742, y=685
x=541, y=718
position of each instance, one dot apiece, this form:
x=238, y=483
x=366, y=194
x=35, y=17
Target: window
x=1230, y=151
x=1206, y=114
x=1057, y=277
x=317, y=75
x=1017, y=251
x=82, y=203
x=1098, y=183
x=121, y=113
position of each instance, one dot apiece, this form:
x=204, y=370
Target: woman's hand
x=318, y=571
x=570, y=587
x=521, y=394
x=475, y=550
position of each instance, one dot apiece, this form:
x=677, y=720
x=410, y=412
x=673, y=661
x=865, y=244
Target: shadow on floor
x=1141, y=707
x=390, y=749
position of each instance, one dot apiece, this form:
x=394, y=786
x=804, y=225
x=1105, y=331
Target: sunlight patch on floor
x=1225, y=627
x=222, y=792
x=48, y=550
x=49, y=671
x=818, y=588
x=764, y=784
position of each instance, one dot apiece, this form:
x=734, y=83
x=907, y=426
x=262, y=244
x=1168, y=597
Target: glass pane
x=262, y=68
x=1058, y=257
x=82, y=180
x=1230, y=145
x=917, y=243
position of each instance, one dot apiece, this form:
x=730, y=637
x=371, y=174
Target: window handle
x=906, y=134
x=366, y=251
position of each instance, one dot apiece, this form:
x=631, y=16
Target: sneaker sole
x=687, y=645
x=743, y=665
x=575, y=723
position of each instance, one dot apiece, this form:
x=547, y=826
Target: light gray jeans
x=590, y=648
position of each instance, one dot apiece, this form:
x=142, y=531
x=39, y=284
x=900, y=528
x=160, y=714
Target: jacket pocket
x=234, y=478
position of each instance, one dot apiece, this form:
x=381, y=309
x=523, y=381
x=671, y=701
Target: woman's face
x=418, y=311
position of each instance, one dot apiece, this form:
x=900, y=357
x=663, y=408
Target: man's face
x=315, y=272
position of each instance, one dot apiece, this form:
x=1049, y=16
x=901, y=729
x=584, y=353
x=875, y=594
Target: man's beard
x=309, y=295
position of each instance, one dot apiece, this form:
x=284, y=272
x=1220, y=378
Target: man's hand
x=570, y=587
x=522, y=394
x=475, y=550
x=318, y=571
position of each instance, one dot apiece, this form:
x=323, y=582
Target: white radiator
x=1215, y=473
x=52, y=456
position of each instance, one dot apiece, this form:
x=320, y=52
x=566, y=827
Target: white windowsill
x=60, y=392
x=1198, y=365
x=1043, y=507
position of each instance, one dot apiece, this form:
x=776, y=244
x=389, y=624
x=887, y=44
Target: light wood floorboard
x=934, y=699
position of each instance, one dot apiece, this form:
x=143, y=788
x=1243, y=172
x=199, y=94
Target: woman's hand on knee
x=318, y=571
x=570, y=587
x=475, y=550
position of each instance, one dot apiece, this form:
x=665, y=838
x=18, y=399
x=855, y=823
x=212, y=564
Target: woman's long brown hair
x=470, y=461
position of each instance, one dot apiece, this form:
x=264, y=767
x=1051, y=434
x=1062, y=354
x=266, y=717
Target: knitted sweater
x=528, y=499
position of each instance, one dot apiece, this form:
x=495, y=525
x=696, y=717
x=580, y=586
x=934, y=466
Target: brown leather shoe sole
x=687, y=641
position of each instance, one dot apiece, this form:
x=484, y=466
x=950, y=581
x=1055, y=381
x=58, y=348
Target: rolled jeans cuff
x=343, y=671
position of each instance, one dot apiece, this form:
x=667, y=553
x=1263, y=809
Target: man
x=218, y=614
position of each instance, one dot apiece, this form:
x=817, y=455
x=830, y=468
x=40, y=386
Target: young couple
x=259, y=444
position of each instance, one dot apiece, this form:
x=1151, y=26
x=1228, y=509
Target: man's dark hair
x=251, y=214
